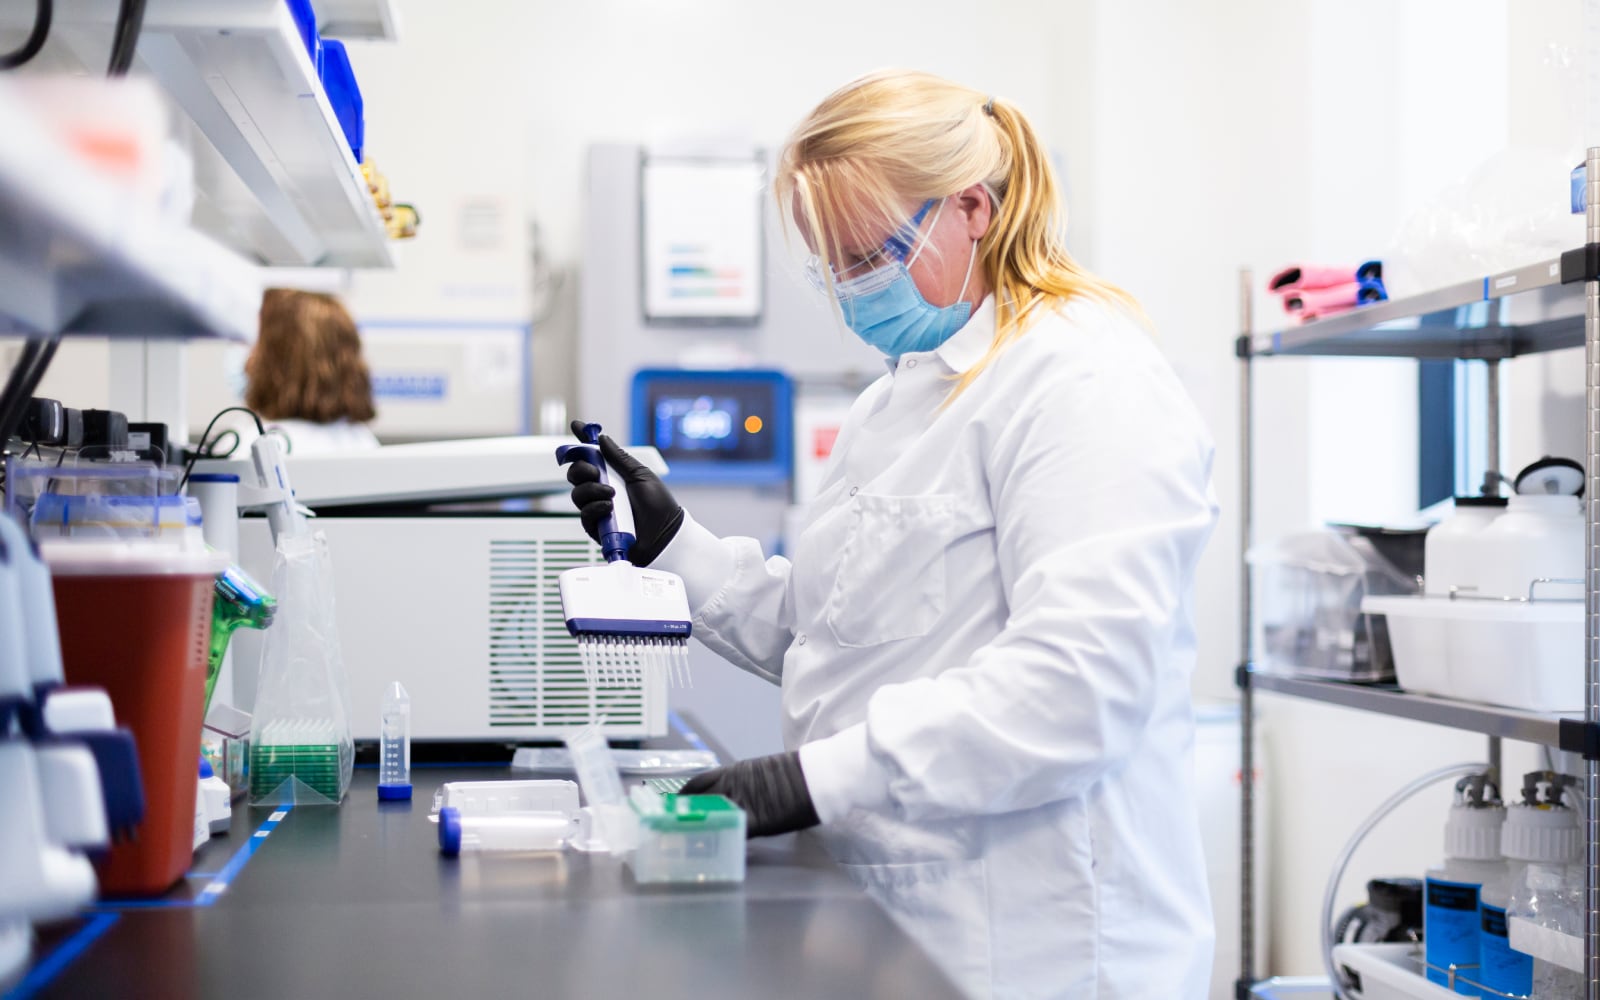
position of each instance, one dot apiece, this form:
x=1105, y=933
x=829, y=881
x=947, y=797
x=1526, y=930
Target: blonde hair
x=848, y=170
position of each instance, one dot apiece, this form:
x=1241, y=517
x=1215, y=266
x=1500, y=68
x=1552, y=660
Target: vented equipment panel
x=535, y=679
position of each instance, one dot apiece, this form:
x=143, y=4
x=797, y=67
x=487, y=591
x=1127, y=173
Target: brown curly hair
x=307, y=362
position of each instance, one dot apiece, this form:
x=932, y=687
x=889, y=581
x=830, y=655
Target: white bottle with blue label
x=1539, y=831
x=1451, y=922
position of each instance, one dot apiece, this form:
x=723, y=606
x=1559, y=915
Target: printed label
x=1506, y=281
x=1451, y=929
x=1500, y=966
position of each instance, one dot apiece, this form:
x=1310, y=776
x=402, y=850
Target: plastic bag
x=301, y=750
x=1514, y=209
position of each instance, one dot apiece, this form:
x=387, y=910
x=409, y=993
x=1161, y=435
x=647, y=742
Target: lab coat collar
x=966, y=347
x=970, y=343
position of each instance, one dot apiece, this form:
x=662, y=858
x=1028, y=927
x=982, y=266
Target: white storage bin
x=1388, y=972
x=1418, y=629
x=1516, y=654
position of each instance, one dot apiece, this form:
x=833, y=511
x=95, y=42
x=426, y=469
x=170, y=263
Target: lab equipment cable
x=130, y=21
x=23, y=380
x=43, y=11
x=200, y=448
x=1389, y=805
x=216, y=450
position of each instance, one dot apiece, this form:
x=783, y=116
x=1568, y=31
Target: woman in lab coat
x=306, y=377
x=985, y=634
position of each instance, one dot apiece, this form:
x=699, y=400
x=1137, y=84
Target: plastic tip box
x=694, y=838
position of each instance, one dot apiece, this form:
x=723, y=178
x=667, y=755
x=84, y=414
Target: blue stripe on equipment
x=219, y=885
x=219, y=882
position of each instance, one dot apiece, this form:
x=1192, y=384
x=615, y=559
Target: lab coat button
x=854, y=490
x=911, y=363
x=802, y=639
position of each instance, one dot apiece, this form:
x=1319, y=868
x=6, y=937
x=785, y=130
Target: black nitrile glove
x=771, y=790
x=656, y=515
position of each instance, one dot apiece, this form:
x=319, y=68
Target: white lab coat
x=306, y=437
x=985, y=640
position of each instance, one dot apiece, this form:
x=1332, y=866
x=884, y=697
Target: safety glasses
x=871, y=274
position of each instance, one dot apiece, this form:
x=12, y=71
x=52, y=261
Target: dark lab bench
x=357, y=902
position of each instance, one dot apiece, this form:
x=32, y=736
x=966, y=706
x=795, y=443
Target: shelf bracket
x=1241, y=676
x=1243, y=989
x=1582, y=264
x=1580, y=737
x=1242, y=347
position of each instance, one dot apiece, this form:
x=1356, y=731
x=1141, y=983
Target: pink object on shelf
x=1301, y=276
x=1323, y=300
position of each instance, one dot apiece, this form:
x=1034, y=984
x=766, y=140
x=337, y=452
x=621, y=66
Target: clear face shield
x=883, y=266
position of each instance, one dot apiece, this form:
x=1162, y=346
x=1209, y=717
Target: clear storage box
x=1309, y=590
x=694, y=838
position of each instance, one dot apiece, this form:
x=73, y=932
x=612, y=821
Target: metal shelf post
x=1591, y=767
x=1247, y=763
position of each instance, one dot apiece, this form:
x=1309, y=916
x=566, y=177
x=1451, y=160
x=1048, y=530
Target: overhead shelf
x=275, y=177
x=76, y=256
x=366, y=20
x=1506, y=723
x=1503, y=315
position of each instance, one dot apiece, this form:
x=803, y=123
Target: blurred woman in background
x=306, y=377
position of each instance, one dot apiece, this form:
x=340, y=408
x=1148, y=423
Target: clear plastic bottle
x=1550, y=901
x=1539, y=831
x=394, y=750
x=1544, y=839
x=1451, y=923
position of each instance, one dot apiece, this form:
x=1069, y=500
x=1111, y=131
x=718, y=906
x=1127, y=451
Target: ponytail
x=1024, y=252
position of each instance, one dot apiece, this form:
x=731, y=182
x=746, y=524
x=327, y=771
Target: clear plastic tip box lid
x=694, y=838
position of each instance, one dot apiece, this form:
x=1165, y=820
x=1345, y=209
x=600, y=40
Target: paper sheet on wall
x=701, y=239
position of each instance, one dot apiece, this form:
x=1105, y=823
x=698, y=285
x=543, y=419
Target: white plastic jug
x=1539, y=537
x=1448, y=559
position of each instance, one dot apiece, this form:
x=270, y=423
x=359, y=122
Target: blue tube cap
x=450, y=831
x=393, y=793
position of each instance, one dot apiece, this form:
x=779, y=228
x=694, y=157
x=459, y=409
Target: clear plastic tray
x=689, y=839
x=630, y=763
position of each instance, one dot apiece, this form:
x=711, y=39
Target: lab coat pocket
x=890, y=582
x=944, y=906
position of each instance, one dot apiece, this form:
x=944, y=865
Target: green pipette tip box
x=683, y=813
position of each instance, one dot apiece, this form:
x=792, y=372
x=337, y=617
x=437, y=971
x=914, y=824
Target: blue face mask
x=886, y=309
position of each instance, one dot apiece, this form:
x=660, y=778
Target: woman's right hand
x=656, y=514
